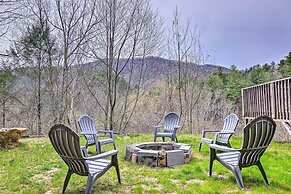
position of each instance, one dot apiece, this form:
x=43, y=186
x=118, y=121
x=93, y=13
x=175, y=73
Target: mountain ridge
x=157, y=68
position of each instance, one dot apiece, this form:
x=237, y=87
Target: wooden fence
x=271, y=98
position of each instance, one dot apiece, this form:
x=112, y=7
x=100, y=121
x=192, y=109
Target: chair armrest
x=209, y=131
x=225, y=133
x=88, y=133
x=219, y=133
x=104, y=131
x=175, y=130
x=222, y=148
x=83, y=149
x=156, y=128
x=103, y=155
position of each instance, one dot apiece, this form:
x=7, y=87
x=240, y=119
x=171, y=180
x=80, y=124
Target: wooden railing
x=272, y=99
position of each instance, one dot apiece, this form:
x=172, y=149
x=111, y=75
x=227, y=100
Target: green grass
x=34, y=167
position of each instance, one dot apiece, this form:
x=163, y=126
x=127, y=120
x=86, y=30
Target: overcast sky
x=240, y=32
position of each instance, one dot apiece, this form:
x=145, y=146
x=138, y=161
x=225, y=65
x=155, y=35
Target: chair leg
x=212, y=158
x=114, y=145
x=263, y=172
x=200, y=146
x=67, y=180
x=177, y=140
x=238, y=177
x=98, y=148
x=163, y=139
x=115, y=164
x=90, y=183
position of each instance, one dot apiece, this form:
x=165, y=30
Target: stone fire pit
x=158, y=153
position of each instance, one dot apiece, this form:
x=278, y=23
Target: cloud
x=241, y=32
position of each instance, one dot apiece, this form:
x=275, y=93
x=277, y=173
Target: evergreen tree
x=216, y=80
x=37, y=46
x=285, y=66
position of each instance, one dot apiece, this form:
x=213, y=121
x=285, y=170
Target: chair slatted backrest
x=229, y=125
x=67, y=145
x=257, y=137
x=171, y=120
x=86, y=124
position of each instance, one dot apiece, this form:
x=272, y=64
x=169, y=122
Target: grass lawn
x=35, y=167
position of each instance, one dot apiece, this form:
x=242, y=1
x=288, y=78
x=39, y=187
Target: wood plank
x=269, y=100
x=289, y=101
x=281, y=93
x=278, y=101
x=259, y=101
x=285, y=98
x=243, y=104
x=272, y=96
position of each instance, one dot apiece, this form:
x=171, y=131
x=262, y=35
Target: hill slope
x=157, y=68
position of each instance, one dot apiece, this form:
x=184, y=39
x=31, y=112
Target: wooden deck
x=271, y=98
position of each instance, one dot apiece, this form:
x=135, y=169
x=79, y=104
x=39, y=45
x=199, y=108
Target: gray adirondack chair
x=88, y=129
x=66, y=143
x=170, y=127
x=221, y=137
x=257, y=137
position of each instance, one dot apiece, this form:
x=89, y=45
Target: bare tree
x=8, y=14
x=185, y=48
x=127, y=32
x=75, y=23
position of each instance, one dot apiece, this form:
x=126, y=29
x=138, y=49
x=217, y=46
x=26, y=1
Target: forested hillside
x=115, y=61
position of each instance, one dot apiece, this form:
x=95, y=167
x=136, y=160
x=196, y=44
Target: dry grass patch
x=150, y=179
x=198, y=156
x=214, y=174
x=46, y=175
x=195, y=181
x=187, y=183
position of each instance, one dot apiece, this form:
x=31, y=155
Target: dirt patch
x=187, y=183
x=124, y=191
x=214, y=174
x=198, y=156
x=176, y=181
x=35, y=139
x=38, y=176
x=53, y=170
x=156, y=187
x=47, y=175
x=195, y=181
x=150, y=179
x=50, y=192
x=247, y=191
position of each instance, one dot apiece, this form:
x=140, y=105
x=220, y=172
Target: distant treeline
x=230, y=84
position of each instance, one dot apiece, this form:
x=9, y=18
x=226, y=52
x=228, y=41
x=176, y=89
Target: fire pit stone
x=158, y=153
